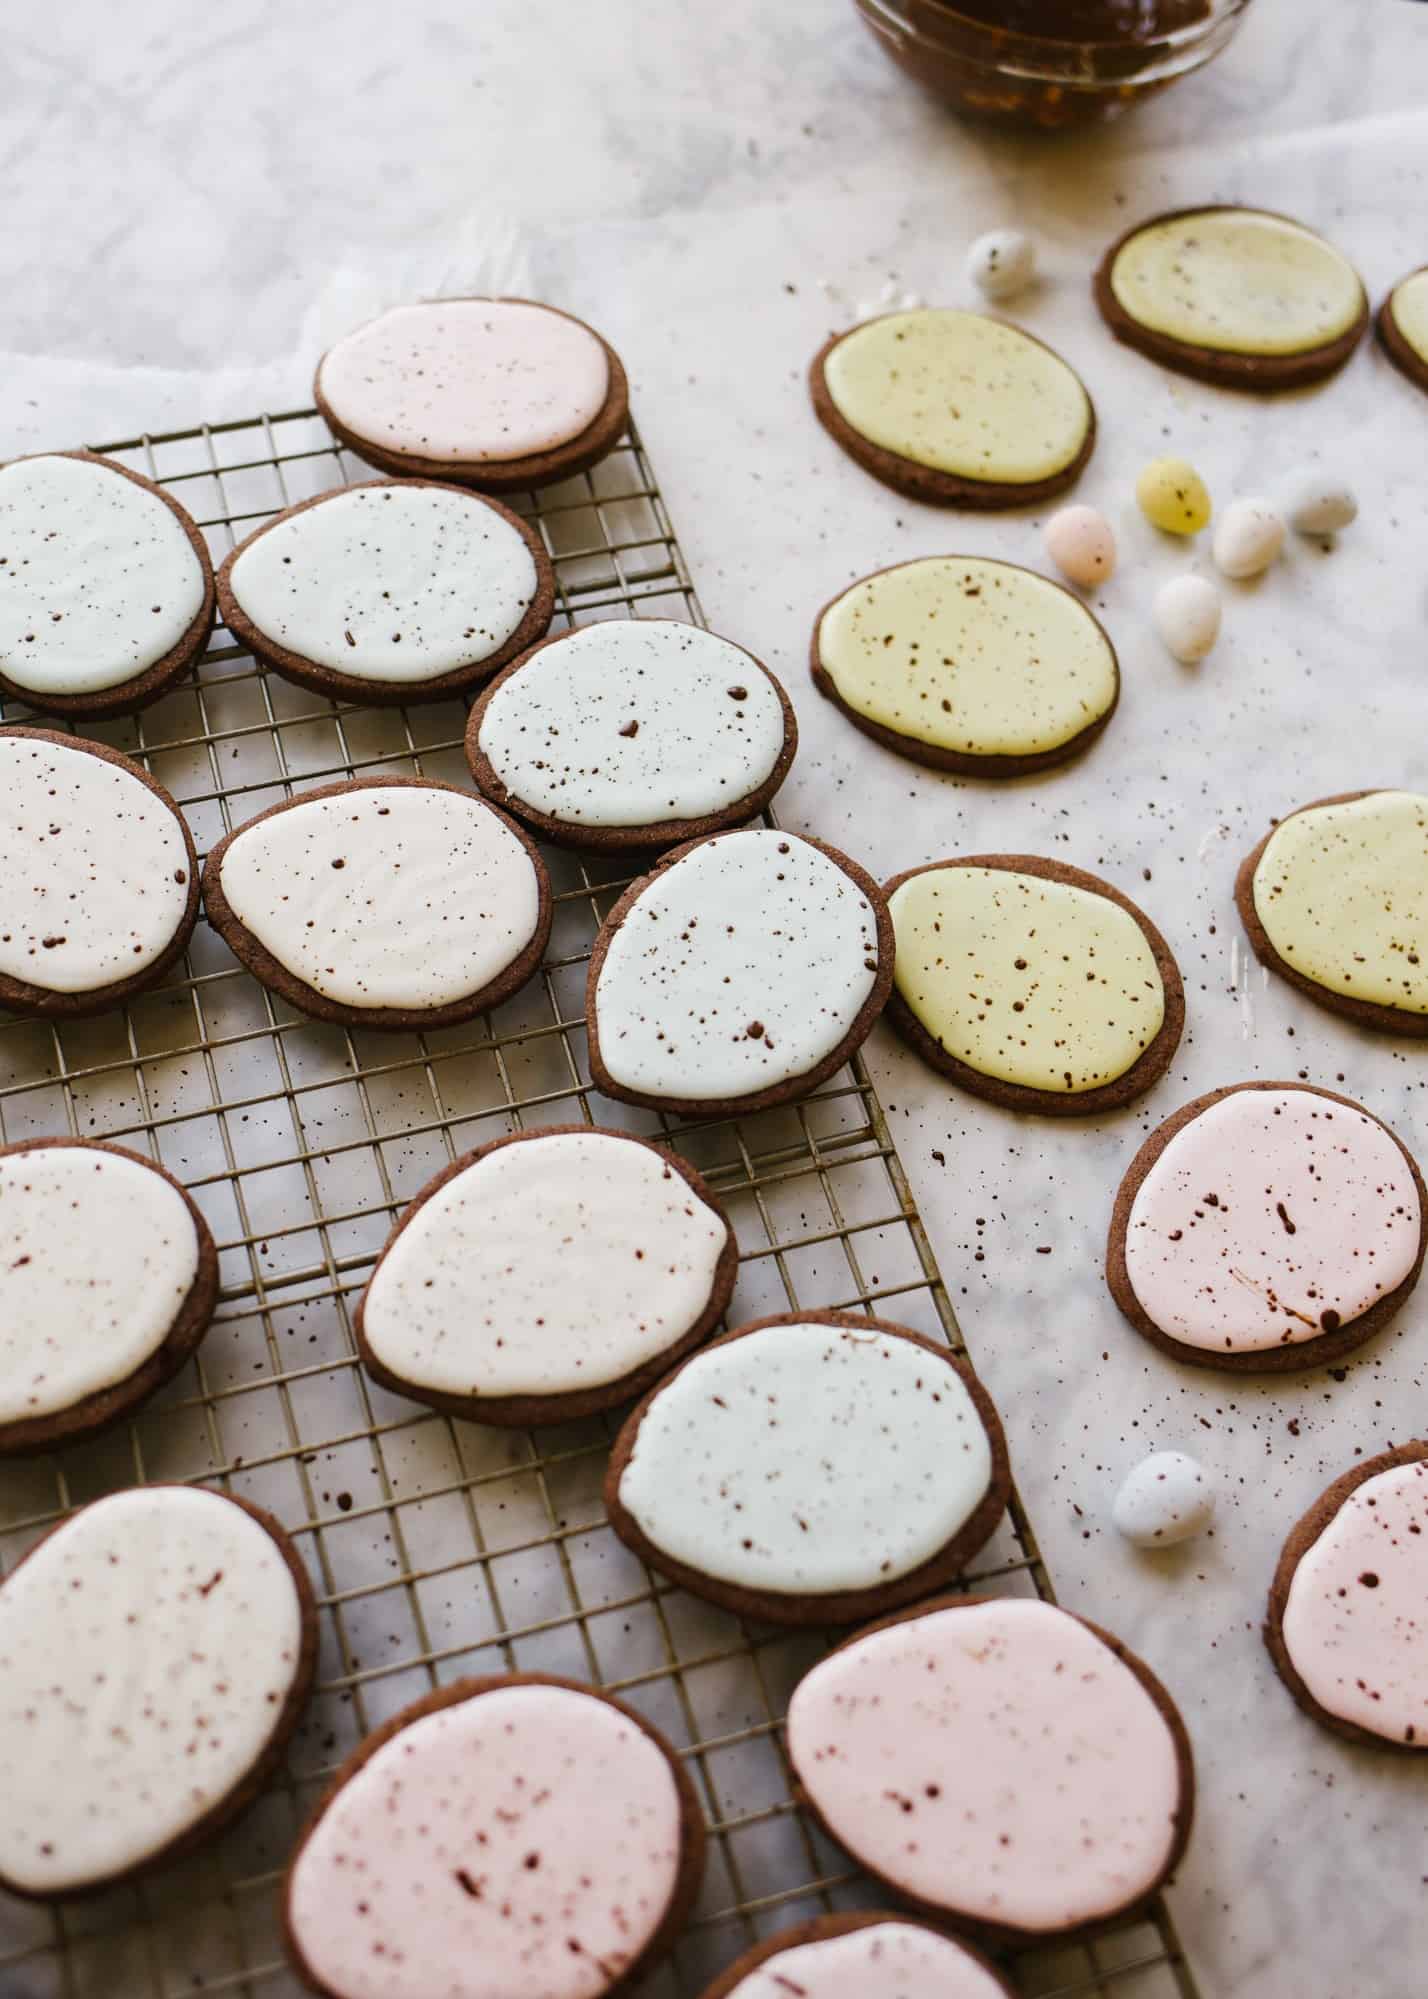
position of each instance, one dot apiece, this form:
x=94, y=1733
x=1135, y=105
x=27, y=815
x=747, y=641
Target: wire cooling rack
x=439, y=1548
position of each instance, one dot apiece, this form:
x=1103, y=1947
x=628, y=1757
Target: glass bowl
x=986, y=64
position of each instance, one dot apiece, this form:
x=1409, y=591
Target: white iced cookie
x=546, y=1276
x=155, y=1651
x=1166, y=1498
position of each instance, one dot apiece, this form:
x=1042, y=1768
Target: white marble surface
x=194, y=197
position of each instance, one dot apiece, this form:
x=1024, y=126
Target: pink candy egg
x=1080, y=542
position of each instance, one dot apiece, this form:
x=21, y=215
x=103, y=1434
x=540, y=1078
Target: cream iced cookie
x=1347, y=1625
x=633, y=732
x=819, y=1467
x=998, y=1763
x=741, y=972
x=155, y=1652
x=1031, y=983
x=1335, y=899
x=106, y=589
x=1266, y=1227
x=968, y=665
x=107, y=1285
x=99, y=891
x=498, y=393
x=549, y=1275
x=1403, y=327
x=514, y=1838
x=954, y=408
x=855, y=1957
x=389, y=902
x=1235, y=296
x=400, y=590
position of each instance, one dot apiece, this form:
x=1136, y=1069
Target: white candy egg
x=1319, y=503
x=1002, y=263
x=1080, y=542
x=1187, y=616
x=1167, y=1498
x=1248, y=536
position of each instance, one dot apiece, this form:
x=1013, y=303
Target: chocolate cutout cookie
x=952, y=1955
x=1407, y=348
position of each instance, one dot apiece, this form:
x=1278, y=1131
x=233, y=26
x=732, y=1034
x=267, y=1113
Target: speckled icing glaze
x=1355, y=1623
x=1035, y=982
x=632, y=722
x=1237, y=280
x=549, y=1266
x=970, y=655
x=889, y=1960
x=1342, y=893
x=523, y=1844
x=962, y=394
x=146, y=1651
x=100, y=1254
x=1273, y=1217
x=998, y=1760
x=396, y=896
x=1410, y=312
x=749, y=931
x=467, y=381
x=95, y=882
x=396, y=583
x=807, y=1460
x=97, y=578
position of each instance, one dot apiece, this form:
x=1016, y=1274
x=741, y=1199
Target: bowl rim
x=996, y=45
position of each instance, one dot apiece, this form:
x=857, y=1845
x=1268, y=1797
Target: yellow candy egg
x=1173, y=496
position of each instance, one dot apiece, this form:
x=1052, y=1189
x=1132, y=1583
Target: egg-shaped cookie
x=548, y=1275
x=1266, y=1227
x=1236, y=296
x=632, y=733
x=968, y=665
x=503, y=394
x=817, y=1467
x=954, y=408
x=1335, y=900
x=1347, y=1628
x=396, y=591
x=1032, y=983
x=156, y=1649
x=99, y=888
x=998, y=1764
x=857, y=1957
x=107, y=1284
x=741, y=972
x=387, y=902
x=106, y=589
x=507, y=1838
x=1403, y=327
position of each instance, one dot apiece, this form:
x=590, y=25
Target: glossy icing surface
x=1238, y=281
x=146, y=1651
x=960, y=393
x=970, y=655
x=1356, y=1619
x=98, y=579
x=633, y=723
x=1274, y=1216
x=95, y=881
x=741, y=966
x=1410, y=312
x=523, y=1844
x=1031, y=981
x=399, y=583
x=808, y=1459
x=391, y=896
x=100, y=1254
x=560, y=1263
x=467, y=381
x=1342, y=893
x=997, y=1760
x=891, y=1960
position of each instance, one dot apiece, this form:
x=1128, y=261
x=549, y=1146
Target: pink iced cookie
x=1348, y=1609
x=860, y=1957
x=516, y=1838
x=998, y=1762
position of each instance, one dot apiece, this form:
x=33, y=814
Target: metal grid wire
x=437, y=1547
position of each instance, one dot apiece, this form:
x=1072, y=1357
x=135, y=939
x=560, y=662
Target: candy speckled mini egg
x=1248, y=537
x=1002, y=263
x=1080, y=542
x=1173, y=497
x=1187, y=616
x=1165, y=1499
x=1319, y=503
